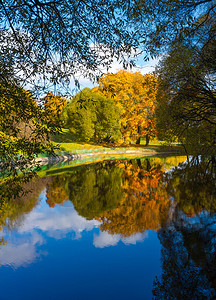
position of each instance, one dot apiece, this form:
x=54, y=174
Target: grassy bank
x=66, y=144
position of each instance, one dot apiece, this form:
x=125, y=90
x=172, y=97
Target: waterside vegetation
x=175, y=104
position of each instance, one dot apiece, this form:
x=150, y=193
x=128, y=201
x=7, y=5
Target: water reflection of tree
x=57, y=191
x=127, y=196
x=145, y=203
x=13, y=211
x=189, y=242
x=96, y=189
x=188, y=258
x=193, y=185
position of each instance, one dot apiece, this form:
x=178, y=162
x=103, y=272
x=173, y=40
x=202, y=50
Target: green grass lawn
x=66, y=142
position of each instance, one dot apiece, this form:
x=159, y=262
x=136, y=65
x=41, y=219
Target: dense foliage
x=92, y=117
x=24, y=133
x=135, y=95
x=54, y=106
x=51, y=42
x=187, y=96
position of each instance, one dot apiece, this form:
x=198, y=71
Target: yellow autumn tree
x=54, y=105
x=135, y=95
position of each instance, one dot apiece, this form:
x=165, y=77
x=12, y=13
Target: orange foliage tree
x=145, y=203
x=135, y=95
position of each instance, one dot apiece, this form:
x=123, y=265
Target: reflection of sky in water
x=57, y=254
x=104, y=239
x=62, y=221
x=21, y=250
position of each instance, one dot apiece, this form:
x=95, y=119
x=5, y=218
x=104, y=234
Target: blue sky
x=142, y=66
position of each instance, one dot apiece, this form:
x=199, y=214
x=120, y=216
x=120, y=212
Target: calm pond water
x=118, y=229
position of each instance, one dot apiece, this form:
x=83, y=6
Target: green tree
x=186, y=98
x=24, y=133
x=93, y=117
x=184, y=33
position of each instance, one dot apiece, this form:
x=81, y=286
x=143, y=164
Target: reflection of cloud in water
x=135, y=238
x=104, y=239
x=57, y=222
x=21, y=251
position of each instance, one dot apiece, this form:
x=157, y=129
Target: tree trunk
x=148, y=165
x=139, y=138
x=139, y=162
x=147, y=139
x=138, y=141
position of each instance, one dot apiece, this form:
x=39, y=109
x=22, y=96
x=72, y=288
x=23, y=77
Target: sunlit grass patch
x=66, y=142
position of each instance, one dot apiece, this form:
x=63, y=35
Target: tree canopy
x=186, y=98
x=24, y=133
x=54, y=40
x=135, y=95
x=93, y=117
x=54, y=106
x=163, y=23
x=45, y=42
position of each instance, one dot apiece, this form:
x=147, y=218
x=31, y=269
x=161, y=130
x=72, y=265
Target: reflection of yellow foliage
x=6, y=210
x=15, y=209
x=56, y=193
x=2, y=241
x=145, y=203
x=174, y=161
x=56, y=196
x=170, y=161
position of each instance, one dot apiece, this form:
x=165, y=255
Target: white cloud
x=135, y=238
x=105, y=239
x=57, y=222
x=24, y=247
x=21, y=251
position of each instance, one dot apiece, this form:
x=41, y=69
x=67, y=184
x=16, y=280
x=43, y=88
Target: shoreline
x=69, y=157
